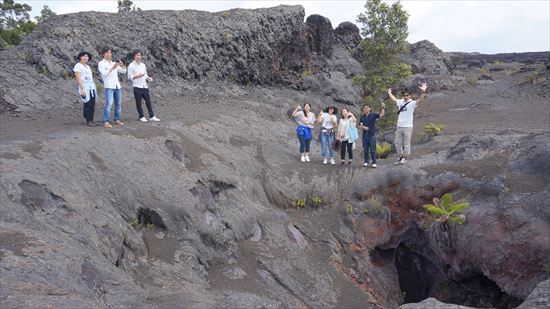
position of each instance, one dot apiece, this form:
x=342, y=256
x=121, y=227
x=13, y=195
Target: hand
x=298, y=107
x=389, y=90
x=140, y=75
x=83, y=92
x=149, y=79
x=423, y=87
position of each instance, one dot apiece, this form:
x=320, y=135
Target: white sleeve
x=121, y=70
x=103, y=69
x=146, y=75
x=77, y=68
x=130, y=72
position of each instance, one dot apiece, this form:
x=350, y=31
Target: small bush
x=307, y=73
x=316, y=201
x=472, y=81
x=446, y=211
x=383, y=150
x=300, y=203
x=434, y=129
x=226, y=14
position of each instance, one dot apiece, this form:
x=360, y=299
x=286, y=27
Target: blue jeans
x=304, y=144
x=327, y=140
x=110, y=96
x=369, y=146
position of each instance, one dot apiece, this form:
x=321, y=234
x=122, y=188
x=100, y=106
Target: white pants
x=403, y=137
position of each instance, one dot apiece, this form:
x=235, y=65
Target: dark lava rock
x=425, y=58
x=347, y=34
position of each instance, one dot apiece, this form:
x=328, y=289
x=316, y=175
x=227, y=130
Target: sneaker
x=303, y=159
x=349, y=163
x=154, y=118
x=332, y=161
x=343, y=162
x=91, y=124
x=307, y=158
x=403, y=160
x=325, y=161
x=107, y=125
x=398, y=160
x=374, y=165
x=365, y=164
x=143, y=119
x=119, y=123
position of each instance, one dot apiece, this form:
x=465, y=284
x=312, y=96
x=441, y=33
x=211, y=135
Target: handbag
x=336, y=145
x=353, y=133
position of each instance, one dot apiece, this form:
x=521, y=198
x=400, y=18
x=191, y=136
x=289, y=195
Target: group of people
x=343, y=134
x=109, y=70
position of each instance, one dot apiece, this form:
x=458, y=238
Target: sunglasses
x=406, y=95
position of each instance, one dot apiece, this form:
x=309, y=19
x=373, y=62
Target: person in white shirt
x=328, y=121
x=305, y=119
x=86, y=86
x=403, y=133
x=347, y=121
x=109, y=72
x=137, y=73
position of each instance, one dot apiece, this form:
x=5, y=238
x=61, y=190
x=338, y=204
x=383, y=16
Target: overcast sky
x=484, y=26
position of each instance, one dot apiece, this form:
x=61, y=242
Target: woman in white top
x=328, y=121
x=86, y=86
x=305, y=120
x=347, y=121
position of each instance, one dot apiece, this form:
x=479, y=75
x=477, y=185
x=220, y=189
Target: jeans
x=89, y=107
x=403, y=137
x=369, y=147
x=327, y=140
x=304, y=143
x=346, y=145
x=140, y=93
x=110, y=96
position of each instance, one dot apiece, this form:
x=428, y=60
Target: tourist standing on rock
x=137, y=73
x=328, y=121
x=346, y=122
x=86, y=86
x=403, y=133
x=367, y=124
x=305, y=119
x=109, y=72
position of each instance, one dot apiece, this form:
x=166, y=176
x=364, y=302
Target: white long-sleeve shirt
x=133, y=69
x=110, y=80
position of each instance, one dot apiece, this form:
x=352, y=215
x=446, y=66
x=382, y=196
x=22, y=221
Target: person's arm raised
x=422, y=97
x=392, y=97
x=295, y=111
x=383, y=110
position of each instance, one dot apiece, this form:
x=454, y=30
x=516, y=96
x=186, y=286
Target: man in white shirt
x=137, y=73
x=403, y=133
x=109, y=72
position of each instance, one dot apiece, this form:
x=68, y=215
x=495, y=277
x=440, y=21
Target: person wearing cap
x=137, y=73
x=86, y=86
x=403, y=133
x=328, y=121
x=109, y=72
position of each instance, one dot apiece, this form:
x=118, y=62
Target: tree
x=124, y=5
x=45, y=13
x=14, y=22
x=384, y=29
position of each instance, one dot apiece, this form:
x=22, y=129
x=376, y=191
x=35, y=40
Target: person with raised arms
x=305, y=119
x=403, y=133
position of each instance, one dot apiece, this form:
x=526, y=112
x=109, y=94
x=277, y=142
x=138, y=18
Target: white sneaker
x=332, y=161
x=325, y=161
x=365, y=164
x=374, y=165
x=154, y=118
x=143, y=119
x=398, y=160
x=303, y=159
x=403, y=160
x=307, y=158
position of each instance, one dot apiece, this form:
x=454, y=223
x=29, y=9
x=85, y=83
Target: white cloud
x=484, y=26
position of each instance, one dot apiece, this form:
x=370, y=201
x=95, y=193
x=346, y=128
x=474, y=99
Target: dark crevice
x=147, y=216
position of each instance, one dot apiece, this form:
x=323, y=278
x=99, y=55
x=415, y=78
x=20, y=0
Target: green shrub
x=383, y=150
x=226, y=14
x=316, y=201
x=472, y=81
x=307, y=73
x=433, y=129
x=445, y=210
x=300, y=203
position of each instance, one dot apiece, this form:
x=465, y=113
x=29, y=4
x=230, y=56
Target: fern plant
x=434, y=129
x=445, y=210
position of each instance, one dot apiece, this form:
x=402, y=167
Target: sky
x=485, y=26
